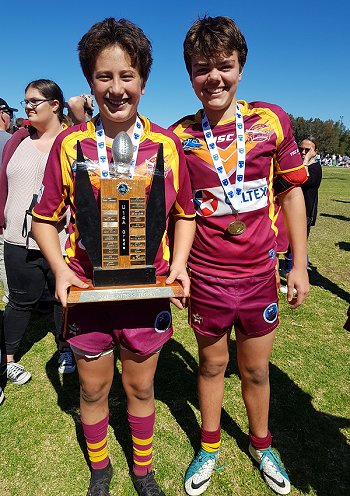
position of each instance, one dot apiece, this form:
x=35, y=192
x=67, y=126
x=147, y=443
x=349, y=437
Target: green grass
x=42, y=448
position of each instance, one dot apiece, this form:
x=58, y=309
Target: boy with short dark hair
x=116, y=59
x=239, y=155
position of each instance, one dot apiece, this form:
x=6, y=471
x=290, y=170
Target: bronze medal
x=236, y=227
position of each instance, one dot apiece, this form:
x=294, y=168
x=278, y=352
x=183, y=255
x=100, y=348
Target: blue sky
x=298, y=51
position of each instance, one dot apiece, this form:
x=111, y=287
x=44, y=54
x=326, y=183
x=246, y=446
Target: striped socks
x=96, y=440
x=211, y=440
x=142, y=429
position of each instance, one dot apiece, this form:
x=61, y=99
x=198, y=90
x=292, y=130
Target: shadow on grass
x=338, y=217
x=313, y=450
x=176, y=386
x=343, y=245
x=317, y=279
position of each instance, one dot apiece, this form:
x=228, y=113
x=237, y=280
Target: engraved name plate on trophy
x=123, y=222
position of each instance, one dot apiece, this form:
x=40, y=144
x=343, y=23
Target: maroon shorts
x=249, y=304
x=141, y=327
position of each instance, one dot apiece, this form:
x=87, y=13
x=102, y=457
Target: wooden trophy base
x=125, y=293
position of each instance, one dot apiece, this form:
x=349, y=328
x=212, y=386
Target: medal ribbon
x=234, y=194
x=102, y=149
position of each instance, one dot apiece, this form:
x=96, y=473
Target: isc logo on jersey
x=225, y=138
x=213, y=202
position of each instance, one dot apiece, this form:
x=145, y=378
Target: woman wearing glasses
x=23, y=164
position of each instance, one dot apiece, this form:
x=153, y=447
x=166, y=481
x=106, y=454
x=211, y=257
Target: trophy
x=122, y=237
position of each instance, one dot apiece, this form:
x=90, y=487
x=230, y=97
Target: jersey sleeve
x=57, y=182
x=289, y=168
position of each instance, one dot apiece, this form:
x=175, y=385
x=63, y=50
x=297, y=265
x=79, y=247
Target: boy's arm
x=183, y=239
x=293, y=207
x=45, y=234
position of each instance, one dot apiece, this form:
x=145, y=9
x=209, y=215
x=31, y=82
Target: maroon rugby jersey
x=271, y=152
x=58, y=188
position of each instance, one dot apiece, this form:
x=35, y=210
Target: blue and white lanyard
x=102, y=149
x=234, y=194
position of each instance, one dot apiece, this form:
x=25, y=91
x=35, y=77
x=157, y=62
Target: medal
x=233, y=194
x=236, y=227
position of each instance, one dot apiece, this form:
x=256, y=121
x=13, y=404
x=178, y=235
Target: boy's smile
x=117, y=87
x=215, y=83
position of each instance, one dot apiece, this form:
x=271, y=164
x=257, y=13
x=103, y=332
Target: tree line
x=332, y=136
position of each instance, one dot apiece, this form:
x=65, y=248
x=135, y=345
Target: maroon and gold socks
x=96, y=440
x=142, y=429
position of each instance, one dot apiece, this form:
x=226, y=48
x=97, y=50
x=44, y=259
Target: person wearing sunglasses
x=23, y=166
x=308, y=151
x=6, y=116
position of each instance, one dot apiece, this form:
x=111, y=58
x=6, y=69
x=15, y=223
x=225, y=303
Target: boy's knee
x=258, y=375
x=141, y=391
x=93, y=393
x=212, y=369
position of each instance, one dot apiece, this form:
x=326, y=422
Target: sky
x=298, y=53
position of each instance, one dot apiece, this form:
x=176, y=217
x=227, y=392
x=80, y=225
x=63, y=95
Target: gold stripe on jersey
x=180, y=129
x=272, y=216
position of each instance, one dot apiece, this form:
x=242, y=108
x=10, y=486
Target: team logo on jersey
x=272, y=254
x=205, y=202
x=162, y=322
x=270, y=313
x=259, y=132
x=191, y=144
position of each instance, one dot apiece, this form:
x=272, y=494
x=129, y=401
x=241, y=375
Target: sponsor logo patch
x=270, y=313
x=163, y=321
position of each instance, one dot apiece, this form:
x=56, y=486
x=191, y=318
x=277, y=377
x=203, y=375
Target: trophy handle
x=87, y=212
x=155, y=212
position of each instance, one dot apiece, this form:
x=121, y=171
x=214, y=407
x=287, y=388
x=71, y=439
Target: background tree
x=332, y=136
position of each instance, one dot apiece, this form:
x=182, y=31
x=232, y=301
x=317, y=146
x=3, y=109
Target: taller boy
x=116, y=59
x=239, y=155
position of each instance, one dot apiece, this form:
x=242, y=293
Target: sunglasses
x=301, y=149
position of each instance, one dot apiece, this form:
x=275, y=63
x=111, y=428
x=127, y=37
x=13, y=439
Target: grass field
x=43, y=450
